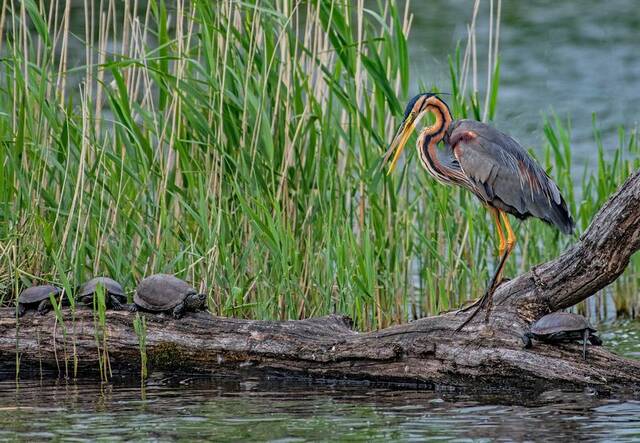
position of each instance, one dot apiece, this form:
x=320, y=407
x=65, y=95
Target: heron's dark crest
x=411, y=104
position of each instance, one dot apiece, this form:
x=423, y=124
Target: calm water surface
x=571, y=58
x=185, y=408
x=190, y=408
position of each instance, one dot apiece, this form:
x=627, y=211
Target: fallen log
x=425, y=353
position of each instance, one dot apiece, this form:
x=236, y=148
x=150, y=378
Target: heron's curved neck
x=439, y=128
x=431, y=135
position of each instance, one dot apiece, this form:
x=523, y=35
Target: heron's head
x=415, y=110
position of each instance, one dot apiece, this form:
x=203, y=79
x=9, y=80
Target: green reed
x=60, y=323
x=100, y=331
x=140, y=327
x=238, y=144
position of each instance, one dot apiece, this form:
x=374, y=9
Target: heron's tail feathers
x=560, y=217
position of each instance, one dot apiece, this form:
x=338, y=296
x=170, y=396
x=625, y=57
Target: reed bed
x=238, y=145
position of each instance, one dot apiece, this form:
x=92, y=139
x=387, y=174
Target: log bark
x=425, y=353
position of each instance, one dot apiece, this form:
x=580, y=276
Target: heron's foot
x=466, y=308
x=482, y=302
x=475, y=303
x=478, y=301
x=489, y=303
x=492, y=288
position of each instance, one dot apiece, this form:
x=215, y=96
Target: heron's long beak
x=397, y=145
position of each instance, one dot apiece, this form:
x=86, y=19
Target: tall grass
x=238, y=145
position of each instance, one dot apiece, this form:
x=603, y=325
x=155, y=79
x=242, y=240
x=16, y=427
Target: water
x=623, y=336
x=170, y=407
x=572, y=58
x=226, y=409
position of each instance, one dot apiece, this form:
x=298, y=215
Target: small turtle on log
x=37, y=297
x=115, y=296
x=559, y=327
x=166, y=293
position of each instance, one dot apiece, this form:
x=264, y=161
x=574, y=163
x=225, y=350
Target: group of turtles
x=156, y=293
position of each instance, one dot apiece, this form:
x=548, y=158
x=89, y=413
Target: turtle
x=115, y=296
x=37, y=297
x=167, y=293
x=559, y=327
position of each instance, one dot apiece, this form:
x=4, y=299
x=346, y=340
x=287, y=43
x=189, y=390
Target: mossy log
x=425, y=353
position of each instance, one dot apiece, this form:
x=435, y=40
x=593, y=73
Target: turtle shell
x=558, y=322
x=161, y=292
x=36, y=294
x=110, y=286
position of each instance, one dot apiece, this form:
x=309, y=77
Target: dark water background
x=573, y=58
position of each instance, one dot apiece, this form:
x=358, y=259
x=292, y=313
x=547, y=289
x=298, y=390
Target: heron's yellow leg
x=506, y=246
x=511, y=237
x=510, y=243
x=496, y=218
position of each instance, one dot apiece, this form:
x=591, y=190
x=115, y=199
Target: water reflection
x=232, y=409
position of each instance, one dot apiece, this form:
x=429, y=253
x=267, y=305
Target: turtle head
x=595, y=340
x=196, y=302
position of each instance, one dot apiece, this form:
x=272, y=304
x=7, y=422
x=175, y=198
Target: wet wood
x=424, y=353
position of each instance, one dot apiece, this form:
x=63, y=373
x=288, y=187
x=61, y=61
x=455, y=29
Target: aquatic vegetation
x=140, y=326
x=61, y=325
x=238, y=145
x=100, y=331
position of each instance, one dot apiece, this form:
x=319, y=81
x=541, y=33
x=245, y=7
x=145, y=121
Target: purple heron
x=490, y=164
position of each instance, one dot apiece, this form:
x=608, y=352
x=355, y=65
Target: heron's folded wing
x=501, y=169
